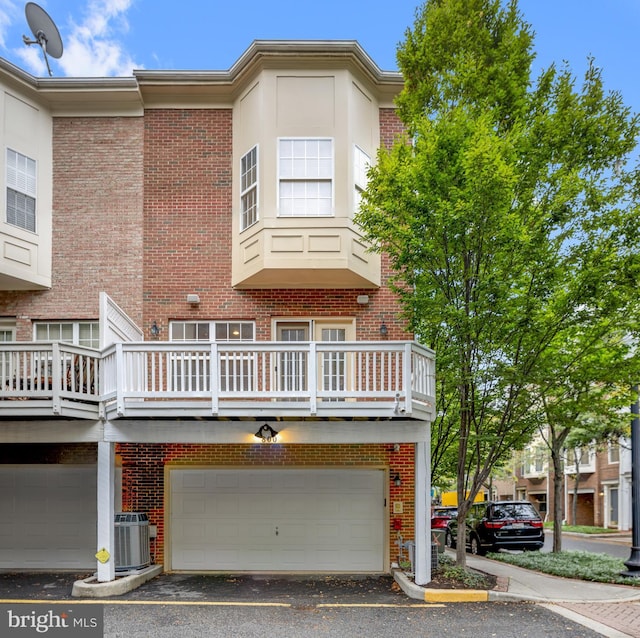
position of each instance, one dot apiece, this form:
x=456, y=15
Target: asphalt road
x=191, y=605
x=406, y=620
x=596, y=545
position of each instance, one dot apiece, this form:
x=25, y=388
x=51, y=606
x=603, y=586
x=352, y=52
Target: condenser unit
x=132, y=541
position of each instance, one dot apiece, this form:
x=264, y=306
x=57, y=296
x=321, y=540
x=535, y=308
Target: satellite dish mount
x=44, y=31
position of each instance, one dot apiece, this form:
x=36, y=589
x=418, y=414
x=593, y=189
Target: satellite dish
x=45, y=32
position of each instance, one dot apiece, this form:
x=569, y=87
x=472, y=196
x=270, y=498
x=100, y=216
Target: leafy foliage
x=511, y=222
x=449, y=574
x=599, y=568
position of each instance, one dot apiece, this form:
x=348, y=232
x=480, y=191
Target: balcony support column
x=422, y=523
x=106, y=515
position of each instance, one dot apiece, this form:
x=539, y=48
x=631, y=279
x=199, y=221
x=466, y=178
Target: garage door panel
x=48, y=515
x=325, y=520
x=253, y=503
x=256, y=481
x=196, y=532
x=328, y=533
x=192, y=505
x=194, y=479
x=228, y=481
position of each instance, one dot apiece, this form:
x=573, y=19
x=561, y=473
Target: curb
x=91, y=588
x=439, y=595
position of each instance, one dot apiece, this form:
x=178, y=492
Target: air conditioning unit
x=131, y=541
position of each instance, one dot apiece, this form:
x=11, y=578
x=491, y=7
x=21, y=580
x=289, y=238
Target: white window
x=581, y=459
x=361, y=163
x=535, y=461
x=21, y=191
x=249, y=188
x=221, y=331
x=80, y=333
x=306, y=177
x=236, y=369
x=82, y=373
x=7, y=330
x=614, y=452
x=7, y=333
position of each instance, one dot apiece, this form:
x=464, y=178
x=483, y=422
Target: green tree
x=506, y=210
x=583, y=391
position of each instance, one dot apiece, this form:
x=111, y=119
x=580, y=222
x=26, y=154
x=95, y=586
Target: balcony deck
x=134, y=380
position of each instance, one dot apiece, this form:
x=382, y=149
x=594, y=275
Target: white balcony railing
x=49, y=376
x=165, y=379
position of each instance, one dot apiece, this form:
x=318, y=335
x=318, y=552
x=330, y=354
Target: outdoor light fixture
x=154, y=330
x=397, y=480
x=193, y=299
x=384, y=331
x=267, y=434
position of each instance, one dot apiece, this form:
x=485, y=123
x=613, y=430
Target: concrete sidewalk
x=611, y=610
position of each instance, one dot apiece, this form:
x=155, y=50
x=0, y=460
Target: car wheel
x=475, y=547
x=448, y=540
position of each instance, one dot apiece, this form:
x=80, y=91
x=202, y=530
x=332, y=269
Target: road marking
x=379, y=605
x=97, y=601
x=209, y=603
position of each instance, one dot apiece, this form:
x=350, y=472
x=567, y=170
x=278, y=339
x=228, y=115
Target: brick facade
x=97, y=224
x=142, y=210
x=187, y=236
x=590, y=499
x=143, y=466
x=187, y=249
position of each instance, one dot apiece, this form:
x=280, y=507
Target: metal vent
x=132, y=540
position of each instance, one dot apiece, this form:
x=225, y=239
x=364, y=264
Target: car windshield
x=514, y=510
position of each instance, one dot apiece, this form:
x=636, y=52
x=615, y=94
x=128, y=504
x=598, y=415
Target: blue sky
x=113, y=37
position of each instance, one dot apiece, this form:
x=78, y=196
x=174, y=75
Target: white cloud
x=93, y=48
x=9, y=12
x=93, y=39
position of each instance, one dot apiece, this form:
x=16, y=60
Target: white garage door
x=47, y=517
x=277, y=520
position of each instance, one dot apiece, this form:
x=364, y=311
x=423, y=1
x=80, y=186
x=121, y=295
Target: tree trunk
x=461, y=472
x=576, y=485
x=558, y=477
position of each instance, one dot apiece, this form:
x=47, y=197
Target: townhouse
x=192, y=327
x=596, y=477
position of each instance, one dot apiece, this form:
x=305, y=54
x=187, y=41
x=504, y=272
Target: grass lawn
x=582, y=565
x=583, y=529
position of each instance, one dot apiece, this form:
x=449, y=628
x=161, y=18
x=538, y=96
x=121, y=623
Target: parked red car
x=440, y=516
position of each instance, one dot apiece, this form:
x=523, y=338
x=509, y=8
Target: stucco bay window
x=310, y=134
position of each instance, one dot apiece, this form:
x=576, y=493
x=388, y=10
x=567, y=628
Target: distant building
x=598, y=477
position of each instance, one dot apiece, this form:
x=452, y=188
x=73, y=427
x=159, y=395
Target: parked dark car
x=440, y=516
x=495, y=525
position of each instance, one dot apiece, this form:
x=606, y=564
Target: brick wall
x=97, y=223
x=187, y=243
x=188, y=196
x=143, y=466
